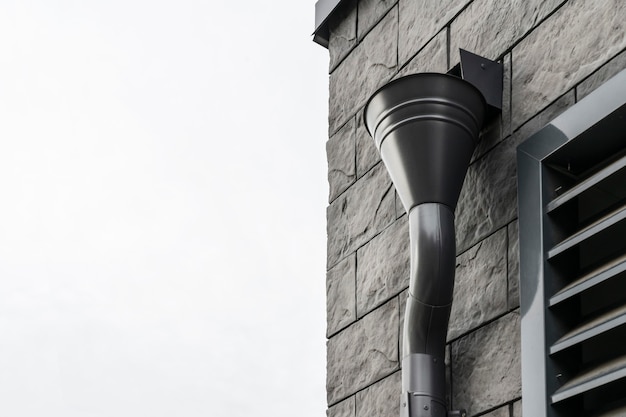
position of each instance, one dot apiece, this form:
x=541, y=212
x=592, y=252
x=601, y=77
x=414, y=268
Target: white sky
x=162, y=209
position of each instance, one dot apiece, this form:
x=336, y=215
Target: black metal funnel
x=426, y=127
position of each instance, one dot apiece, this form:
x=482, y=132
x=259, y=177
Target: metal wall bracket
x=484, y=74
x=457, y=413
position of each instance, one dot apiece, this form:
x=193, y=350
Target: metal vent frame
x=592, y=131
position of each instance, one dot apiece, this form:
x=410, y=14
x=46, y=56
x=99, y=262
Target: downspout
x=426, y=127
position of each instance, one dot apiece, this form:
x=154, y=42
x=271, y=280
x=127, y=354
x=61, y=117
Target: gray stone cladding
x=554, y=53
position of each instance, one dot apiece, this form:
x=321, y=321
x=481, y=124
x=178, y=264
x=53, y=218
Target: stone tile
x=513, y=268
x=340, y=295
x=480, y=289
x=363, y=353
x=342, y=31
x=598, y=78
x=400, y=211
x=380, y=399
x=383, y=267
x=545, y=116
x=433, y=58
x=486, y=368
x=402, y=302
x=506, y=96
x=370, y=65
x=370, y=12
x=340, y=152
x=490, y=135
x=499, y=412
x=505, y=23
x=563, y=51
x=346, y=408
x=359, y=214
x=366, y=153
x=517, y=409
x=488, y=200
x=420, y=20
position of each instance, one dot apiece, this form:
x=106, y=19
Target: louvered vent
x=572, y=197
x=586, y=333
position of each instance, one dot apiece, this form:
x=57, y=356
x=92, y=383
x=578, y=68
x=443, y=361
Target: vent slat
x=598, y=226
x=596, y=377
x=585, y=185
x=595, y=277
x=595, y=327
x=616, y=412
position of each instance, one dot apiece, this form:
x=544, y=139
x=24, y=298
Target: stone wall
x=554, y=53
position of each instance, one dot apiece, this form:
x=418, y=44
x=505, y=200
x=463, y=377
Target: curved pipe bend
x=433, y=255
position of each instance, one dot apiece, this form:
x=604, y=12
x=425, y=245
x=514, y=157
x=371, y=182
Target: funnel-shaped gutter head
x=426, y=127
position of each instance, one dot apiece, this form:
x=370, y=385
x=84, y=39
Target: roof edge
x=323, y=11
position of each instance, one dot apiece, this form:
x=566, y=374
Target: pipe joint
x=421, y=406
x=433, y=252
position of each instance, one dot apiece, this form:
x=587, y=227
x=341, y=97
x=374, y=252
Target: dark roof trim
x=323, y=10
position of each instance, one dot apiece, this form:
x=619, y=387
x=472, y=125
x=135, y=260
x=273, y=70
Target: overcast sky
x=162, y=209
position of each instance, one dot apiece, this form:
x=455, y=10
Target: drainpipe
x=426, y=127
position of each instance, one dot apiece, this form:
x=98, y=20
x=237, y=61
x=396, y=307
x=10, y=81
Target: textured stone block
x=433, y=58
x=359, y=214
x=517, y=409
x=370, y=12
x=370, y=65
x=366, y=153
x=490, y=136
x=363, y=353
x=598, y=78
x=340, y=152
x=383, y=267
x=400, y=211
x=420, y=20
x=480, y=290
x=499, y=412
x=402, y=302
x=506, y=96
x=491, y=27
x=340, y=295
x=513, y=268
x=571, y=44
x=488, y=199
x=486, y=370
x=346, y=408
x=342, y=32
x=380, y=399
x=544, y=117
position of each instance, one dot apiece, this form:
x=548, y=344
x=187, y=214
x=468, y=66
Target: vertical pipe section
x=431, y=228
